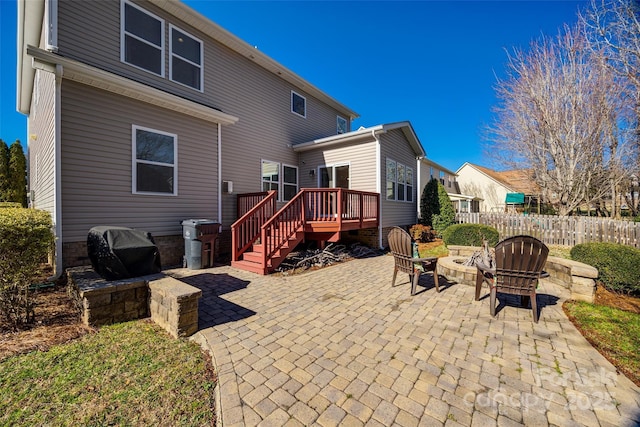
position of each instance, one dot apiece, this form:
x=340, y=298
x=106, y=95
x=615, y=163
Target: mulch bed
x=57, y=321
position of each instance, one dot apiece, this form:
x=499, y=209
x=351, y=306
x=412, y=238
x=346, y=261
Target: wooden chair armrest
x=485, y=269
x=428, y=259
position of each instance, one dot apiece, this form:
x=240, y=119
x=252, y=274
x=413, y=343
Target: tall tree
x=429, y=204
x=4, y=171
x=612, y=29
x=560, y=112
x=17, y=174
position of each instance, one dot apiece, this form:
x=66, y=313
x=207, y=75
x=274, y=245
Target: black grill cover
x=122, y=253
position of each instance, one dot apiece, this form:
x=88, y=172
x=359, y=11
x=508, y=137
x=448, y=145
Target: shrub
x=26, y=238
x=423, y=233
x=429, y=203
x=470, y=235
x=447, y=214
x=617, y=264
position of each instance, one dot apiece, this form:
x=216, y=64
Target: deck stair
x=263, y=237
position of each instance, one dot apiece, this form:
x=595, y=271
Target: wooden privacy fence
x=558, y=230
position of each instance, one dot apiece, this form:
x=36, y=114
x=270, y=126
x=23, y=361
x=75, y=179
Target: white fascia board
x=29, y=27
x=360, y=135
x=364, y=135
x=91, y=76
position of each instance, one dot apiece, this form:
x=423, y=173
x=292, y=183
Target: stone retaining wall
x=579, y=278
x=170, y=303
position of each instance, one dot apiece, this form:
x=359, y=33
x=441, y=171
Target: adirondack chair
x=519, y=261
x=406, y=261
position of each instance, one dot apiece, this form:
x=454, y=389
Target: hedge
x=469, y=235
x=618, y=265
x=26, y=238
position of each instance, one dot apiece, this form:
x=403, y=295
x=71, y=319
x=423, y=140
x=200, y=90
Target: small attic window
x=298, y=104
x=341, y=125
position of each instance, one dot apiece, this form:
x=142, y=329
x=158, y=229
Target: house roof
x=516, y=180
x=30, y=18
x=438, y=166
x=365, y=135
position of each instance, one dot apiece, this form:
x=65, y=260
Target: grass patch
x=436, y=248
x=560, y=251
x=614, y=332
x=130, y=373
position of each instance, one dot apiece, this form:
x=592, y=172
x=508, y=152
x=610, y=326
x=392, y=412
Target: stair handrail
x=246, y=230
x=288, y=220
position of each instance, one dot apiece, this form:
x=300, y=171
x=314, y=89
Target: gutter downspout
x=378, y=184
x=57, y=200
x=219, y=173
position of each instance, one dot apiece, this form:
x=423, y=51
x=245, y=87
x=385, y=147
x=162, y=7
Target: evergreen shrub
x=618, y=265
x=26, y=239
x=470, y=235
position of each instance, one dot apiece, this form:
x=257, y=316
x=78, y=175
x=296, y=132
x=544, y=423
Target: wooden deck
x=261, y=239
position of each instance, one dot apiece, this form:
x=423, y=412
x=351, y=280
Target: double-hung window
x=185, y=66
x=142, y=35
x=289, y=182
x=270, y=175
x=155, y=163
x=273, y=177
x=399, y=181
x=391, y=179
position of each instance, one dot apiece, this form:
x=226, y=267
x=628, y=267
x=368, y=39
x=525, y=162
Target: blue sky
x=433, y=63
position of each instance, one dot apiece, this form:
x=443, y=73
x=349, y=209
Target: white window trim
x=262, y=181
x=305, y=104
x=333, y=166
x=134, y=162
x=346, y=125
x=171, y=55
x=282, y=183
x=395, y=193
x=123, y=32
x=407, y=186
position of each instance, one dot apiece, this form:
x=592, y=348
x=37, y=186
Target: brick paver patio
x=340, y=346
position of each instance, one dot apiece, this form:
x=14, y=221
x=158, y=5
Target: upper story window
x=155, y=166
x=142, y=35
x=298, y=104
x=341, y=125
x=185, y=66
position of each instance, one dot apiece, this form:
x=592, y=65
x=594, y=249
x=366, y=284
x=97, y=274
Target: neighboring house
x=160, y=115
x=499, y=191
x=461, y=202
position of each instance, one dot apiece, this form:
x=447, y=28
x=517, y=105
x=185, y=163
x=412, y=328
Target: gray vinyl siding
x=395, y=146
x=41, y=143
x=361, y=158
x=232, y=83
x=97, y=165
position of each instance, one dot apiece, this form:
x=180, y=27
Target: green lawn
x=131, y=373
x=615, y=333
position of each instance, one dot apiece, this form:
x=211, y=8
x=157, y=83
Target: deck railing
x=248, y=201
x=246, y=230
x=274, y=229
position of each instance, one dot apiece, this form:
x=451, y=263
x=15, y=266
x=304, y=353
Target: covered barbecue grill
x=122, y=253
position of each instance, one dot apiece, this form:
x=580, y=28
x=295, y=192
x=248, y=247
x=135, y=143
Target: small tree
x=4, y=171
x=429, y=203
x=447, y=215
x=17, y=174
